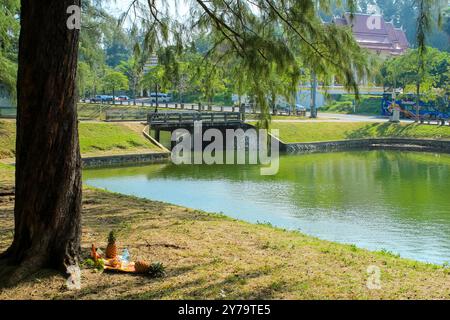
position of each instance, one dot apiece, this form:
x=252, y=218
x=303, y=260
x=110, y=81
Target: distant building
x=374, y=34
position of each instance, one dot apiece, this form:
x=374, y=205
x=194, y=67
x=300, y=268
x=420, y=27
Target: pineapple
x=142, y=266
x=111, y=249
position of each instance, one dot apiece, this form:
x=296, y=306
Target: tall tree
x=114, y=81
x=48, y=165
x=117, y=49
x=133, y=70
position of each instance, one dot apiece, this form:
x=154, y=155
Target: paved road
x=337, y=117
x=322, y=116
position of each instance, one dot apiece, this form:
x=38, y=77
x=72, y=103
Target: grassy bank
x=214, y=257
x=95, y=138
x=331, y=131
x=98, y=138
x=368, y=105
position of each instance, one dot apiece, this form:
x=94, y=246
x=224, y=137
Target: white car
x=162, y=97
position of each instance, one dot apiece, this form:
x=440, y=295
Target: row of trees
x=405, y=71
x=114, y=58
x=426, y=75
x=186, y=76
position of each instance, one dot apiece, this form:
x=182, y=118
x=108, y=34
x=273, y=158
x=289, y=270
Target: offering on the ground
x=112, y=262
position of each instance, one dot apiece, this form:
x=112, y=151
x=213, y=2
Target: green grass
x=7, y=138
x=344, y=104
x=7, y=167
x=94, y=138
x=108, y=136
x=332, y=131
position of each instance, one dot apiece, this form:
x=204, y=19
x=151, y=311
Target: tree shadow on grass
x=42, y=275
x=118, y=285
x=230, y=287
x=380, y=130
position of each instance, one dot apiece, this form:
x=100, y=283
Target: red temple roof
x=375, y=34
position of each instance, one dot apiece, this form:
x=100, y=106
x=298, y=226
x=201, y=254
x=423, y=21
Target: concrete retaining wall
x=369, y=144
x=89, y=162
x=442, y=146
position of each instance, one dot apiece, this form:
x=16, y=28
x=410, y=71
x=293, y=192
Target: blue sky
x=177, y=8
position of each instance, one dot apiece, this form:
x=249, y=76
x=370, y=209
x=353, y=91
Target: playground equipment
x=407, y=106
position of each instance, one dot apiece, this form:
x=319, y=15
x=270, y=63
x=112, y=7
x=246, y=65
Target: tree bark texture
x=47, y=208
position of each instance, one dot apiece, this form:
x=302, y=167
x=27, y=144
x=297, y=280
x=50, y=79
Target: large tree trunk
x=48, y=164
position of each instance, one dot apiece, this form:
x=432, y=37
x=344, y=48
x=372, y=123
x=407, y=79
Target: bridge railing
x=188, y=118
x=117, y=115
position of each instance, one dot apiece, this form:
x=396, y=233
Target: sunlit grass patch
x=333, y=131
x=94, y=137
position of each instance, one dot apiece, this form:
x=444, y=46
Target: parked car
x=162, y=97
x=123, y=98
x=99, y=98
x=300, y=107
x=287, y=108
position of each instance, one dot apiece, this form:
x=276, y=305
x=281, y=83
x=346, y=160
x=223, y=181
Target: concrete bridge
x=170, y=121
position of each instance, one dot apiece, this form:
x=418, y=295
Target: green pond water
x=396, y=201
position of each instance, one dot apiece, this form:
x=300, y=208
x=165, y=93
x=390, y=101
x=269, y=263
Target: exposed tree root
x=11, y=274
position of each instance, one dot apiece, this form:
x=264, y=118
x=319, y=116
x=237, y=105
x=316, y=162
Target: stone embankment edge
x=402, y=144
